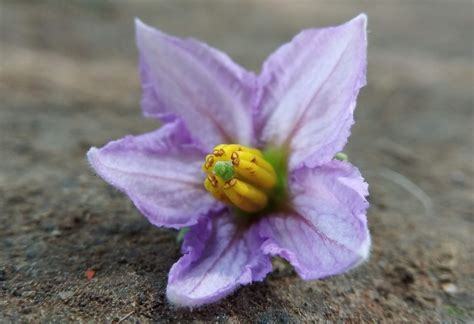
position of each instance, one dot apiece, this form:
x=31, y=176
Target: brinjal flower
x=247, y=161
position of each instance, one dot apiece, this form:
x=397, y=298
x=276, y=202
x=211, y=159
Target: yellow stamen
x=255, y=174
x=239, y=176
x=214, y=186
x=257, y=159
x=225, y=150
x=209, y=164
x=245, y=196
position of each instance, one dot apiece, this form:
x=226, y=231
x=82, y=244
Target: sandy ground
x=68, y=81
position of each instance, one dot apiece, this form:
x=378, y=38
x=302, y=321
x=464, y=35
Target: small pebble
x=449, y=288
x=89, y=274
x=29, y=293
x=66, y=294
x=56, y=232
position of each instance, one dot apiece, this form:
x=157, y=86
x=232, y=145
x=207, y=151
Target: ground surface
x=68, y=81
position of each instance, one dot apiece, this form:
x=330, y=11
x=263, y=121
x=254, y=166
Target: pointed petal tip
x=92, y=157
x=362, y=20
x=358, y=23
x=91, y=151
x=139, y=25
x=138, y=21
x=179, y=300
x=364, y=250
x=143, y=31
x=362, y=17
x=359, y=19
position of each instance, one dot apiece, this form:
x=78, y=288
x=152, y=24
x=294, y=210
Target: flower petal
x=201, y=85
x=327, y=234
x=219, y=256
x=309, y=91
x=160, y=171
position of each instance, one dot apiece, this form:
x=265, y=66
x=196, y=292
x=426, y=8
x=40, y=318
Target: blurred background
x=73, y=248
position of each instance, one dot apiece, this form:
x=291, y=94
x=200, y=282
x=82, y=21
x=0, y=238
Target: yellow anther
x=214, y=186
x=245, y=196
x=258, y=160
x=239, y=176
x=255, y=174
x=209, y=163
x=225, y=150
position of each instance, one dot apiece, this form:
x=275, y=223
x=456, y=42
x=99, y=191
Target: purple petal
x=201, y=85
x=327, y=233
x=309, y=91
x=219, y=256
x=160, y=171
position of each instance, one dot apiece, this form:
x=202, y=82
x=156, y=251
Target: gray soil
x=68, y=81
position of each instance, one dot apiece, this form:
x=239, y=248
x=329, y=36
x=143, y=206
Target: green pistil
x=224, y=169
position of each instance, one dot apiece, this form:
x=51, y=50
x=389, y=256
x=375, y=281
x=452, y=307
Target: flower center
x=239, y=176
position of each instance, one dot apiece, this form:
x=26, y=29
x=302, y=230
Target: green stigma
x=224, y=169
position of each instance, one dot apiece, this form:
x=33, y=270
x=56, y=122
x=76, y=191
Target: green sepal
x=181, y=233
x=341, y=156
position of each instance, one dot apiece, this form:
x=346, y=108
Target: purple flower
x=279, y=191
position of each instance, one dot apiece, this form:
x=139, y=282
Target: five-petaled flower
x=263, y=145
